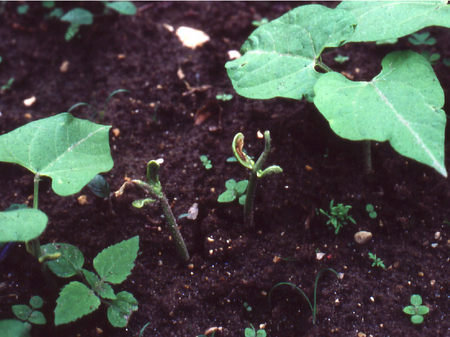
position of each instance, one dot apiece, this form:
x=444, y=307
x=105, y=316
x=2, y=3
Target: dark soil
x=229, y=265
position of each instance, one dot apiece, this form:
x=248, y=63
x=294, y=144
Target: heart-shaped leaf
x=22, y=224
x=69, y=150
x=279, y=57
x=403, y=105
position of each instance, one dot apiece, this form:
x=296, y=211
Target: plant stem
x=324, y=66
x=367, y=152
x=34, y=246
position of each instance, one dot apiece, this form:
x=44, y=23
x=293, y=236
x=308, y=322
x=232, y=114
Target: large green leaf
x=403, y=105
x=382, y=20
x=114, y=263
x=68, y=264
x=13, y=328
x=279, y=57
x=69, y=150
x=22, y=224
x=75, y=300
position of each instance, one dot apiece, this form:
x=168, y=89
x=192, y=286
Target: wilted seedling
x=338, y=216
x=153, y=187
x=371, y=210
x=234, y=190
x=377, y=262
x=224, y=97
x=206, y=162
x=421, y=38
x=341, y=59
x=416, y=310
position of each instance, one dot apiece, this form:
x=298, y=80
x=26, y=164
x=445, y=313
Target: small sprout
x=258, y=23
x=251, y=332
x=421, y=38
x=371, y=211
x=446, y=62
x=341, y=59
x=431, y=58
x=338, y=216
x=416, y=310
x=8, y=85
x=224, y=97
x=22, y=9
x=377, y=262
x=247, y=306
x=206, y=162
x=234, y=190
x=29, y=313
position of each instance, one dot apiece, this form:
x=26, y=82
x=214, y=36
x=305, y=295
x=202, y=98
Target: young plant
x=69, y=150
x=113, y=265
x=338, y=216
x=234, y=190
x=422, y=38
x=153, y=187
x=312, y=306
x=416, y=310
x=251, y=332
x=29, y=314
x=224, y=97
x=256, y=171
x=8, y=85
x=431, y=58
x=377, y=262
x=206, y=162
x=14, y=328
x=341, y=59
x=402, y=105
x=258, y=23
x=371, y=210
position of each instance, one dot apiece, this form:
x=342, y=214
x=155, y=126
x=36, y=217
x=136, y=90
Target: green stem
x=34, y=246
x=324, y=66
x=367, y=157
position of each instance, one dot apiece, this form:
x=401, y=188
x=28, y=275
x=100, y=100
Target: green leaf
x=227, y=196
x=142, y=202
x=13, y=328
x=422, y=310
x=22, y=224
x=22, y=9
x=261, y=333
x=382, y=20
x=103, y=289
x=69, y=263
x=278, y=59
x=99, y=186
x=410, y=310
x=78, y=16
x=69, y=150
x=417, y=319
x=48, y=4
x=120, y=310
x=230, y=184
x=241, y=187
x=123, y=7
x=416, y=300
x=21, y=311
x=421, y=38
x=114, y=263
x=403, y=105
x=37, y=317
x=75, y=300
x=36, y=302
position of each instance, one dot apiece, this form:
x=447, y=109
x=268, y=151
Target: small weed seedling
x=431, y=58
x=422, y=38
x=234, y=190
x=29, y=314
x=206, y=162
x=256, y=171
x=313, y=307
x=247, y=307
x=416, y=310
x=341, y=59
x=224, y=97
x=258, y=23
x=14, y=328
x=338, y=216
x=113, y=265
x=371, y=210
x=377, y=262
x=153, y=187
x=8, y=85
x=251, y=332
x=402, y=104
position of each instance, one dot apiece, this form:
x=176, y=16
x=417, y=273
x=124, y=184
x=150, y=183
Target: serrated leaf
x=21, y=311
x=78, y=16
x=114, y=263
x=37, y=317
x=402, y=105
x=75, y=300
x=381, y=20
x=69, y=150
x=36, y=302
x=279, y=57
x=120, y=310
x=69, y=263
x=123, y=7
x=102, y=289
x=22, y=224
x=13, y=328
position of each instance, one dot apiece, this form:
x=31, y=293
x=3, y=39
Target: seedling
x=100, y=187
x=99, y=111
x=251, y=332
x=113, y=265
x=234, y=190
x=377, y=262
x=422, y=38
x=256, y=171
x=14, y=328
x=22, y=9
x=371, y=210
x=206, y=162
x=247, y=307
x=446, y=62
x=153, y=187
x=402, y=105
x=8, y=85
x=431, y=58
x=416, y=310
x=338, y=216
x=29, y=313
x=341, y=59
x=224, y=97
x=258, y=23
x=313, y=307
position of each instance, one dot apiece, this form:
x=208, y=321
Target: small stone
x=64, y=67
x=276, y=259
x=363, y=237
x=234, y=54
x=437, y=235
x=29, y=101
x=121, y=56
x=190, y=37
x=116, y=132
x=319, y=256
x=82, y=200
